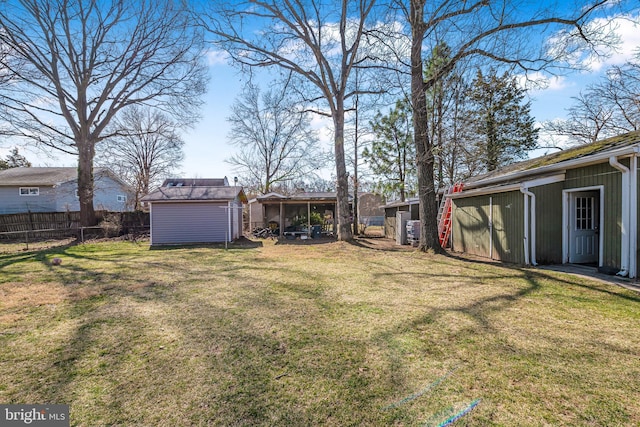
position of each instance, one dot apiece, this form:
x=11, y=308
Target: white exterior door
x=583, y=227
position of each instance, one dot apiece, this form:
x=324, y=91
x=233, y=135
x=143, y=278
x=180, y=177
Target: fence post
x=26, y=238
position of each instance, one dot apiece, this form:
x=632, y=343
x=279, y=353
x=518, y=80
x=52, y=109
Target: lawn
x=298, y=335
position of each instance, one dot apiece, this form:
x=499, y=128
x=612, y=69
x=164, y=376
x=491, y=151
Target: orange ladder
x=444, y=215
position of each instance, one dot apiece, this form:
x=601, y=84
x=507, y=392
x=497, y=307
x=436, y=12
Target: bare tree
x=145, y=149
x=605, y=109
x=274, y=136
x=318, y=41
x=84, y=61
x=587, y=119
x=495, y=30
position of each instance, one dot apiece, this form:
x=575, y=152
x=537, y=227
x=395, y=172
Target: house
x=36, y=189
x=576, y=206
x=370, y=211
x=195, y=211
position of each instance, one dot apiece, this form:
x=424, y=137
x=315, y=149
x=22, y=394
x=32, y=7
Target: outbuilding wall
x=390, y=218
x=490, y=226
x=189, y=222
x=605, y=175
x=471, y=219
x=549, y=223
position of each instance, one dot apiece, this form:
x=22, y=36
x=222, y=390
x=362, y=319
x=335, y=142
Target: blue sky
x=206, y=145
x=207, y=148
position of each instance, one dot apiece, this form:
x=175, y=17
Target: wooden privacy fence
x=49, y=225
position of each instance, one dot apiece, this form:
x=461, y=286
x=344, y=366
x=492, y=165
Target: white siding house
x=195, y=214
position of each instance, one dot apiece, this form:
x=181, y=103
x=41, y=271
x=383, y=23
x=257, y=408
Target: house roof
x=193, y=193
x=37, y=176
x=579, y=156
x=195, y=182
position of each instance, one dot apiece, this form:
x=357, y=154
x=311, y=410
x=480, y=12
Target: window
x=122, y=198
x=584, y=213
x=29, y=191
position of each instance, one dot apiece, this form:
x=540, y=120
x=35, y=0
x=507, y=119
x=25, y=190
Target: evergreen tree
x=500, y=120
x=14, y=160
x=446, y=98
x=392, y=153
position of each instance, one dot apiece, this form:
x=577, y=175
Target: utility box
x=401, y=226
x=413, y=232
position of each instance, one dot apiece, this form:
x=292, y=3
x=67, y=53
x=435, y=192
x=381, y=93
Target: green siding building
x=576, y=206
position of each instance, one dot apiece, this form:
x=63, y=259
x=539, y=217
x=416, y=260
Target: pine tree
x=14, y=160
x=391, y=156
x=500, y=120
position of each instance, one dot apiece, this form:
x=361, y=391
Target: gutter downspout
x=529, y=242
x=624, y=229
x=490, y=227
x=633, y=220
x=229, y=221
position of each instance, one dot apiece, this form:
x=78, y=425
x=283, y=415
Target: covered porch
x=303, y=215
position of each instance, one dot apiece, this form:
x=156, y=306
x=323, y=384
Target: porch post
x=281, y=219
x=633, y=213
x=309, y=218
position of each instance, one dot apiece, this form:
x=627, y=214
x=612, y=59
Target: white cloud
x=217, y=57
x=538, y=81
x=627, y=30
x=324, y=126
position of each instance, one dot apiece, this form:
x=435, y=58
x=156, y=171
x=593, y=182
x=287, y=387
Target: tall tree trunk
x=86, y=153
x=356, y=226
x=342, y=184
x=424, y=149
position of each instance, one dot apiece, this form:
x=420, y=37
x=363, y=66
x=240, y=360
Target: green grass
x=333, y=334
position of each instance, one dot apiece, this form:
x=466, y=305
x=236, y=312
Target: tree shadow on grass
x=242, y=243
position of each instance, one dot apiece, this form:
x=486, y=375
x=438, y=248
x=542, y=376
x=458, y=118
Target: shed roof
x=195, y=182
x=307, y=196
x=570, y=158
x=37, y=176
x=407, y=202
x=193, y=193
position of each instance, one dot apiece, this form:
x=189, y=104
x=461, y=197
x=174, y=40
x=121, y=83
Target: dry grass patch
x=331, y=334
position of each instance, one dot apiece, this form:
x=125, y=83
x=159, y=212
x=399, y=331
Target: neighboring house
x=38, y=189
x=576, y=206
x=370, y=211
x=195, y=211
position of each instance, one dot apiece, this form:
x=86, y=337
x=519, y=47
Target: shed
x=576, y=206
x=391, y=210
x=195, y=214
